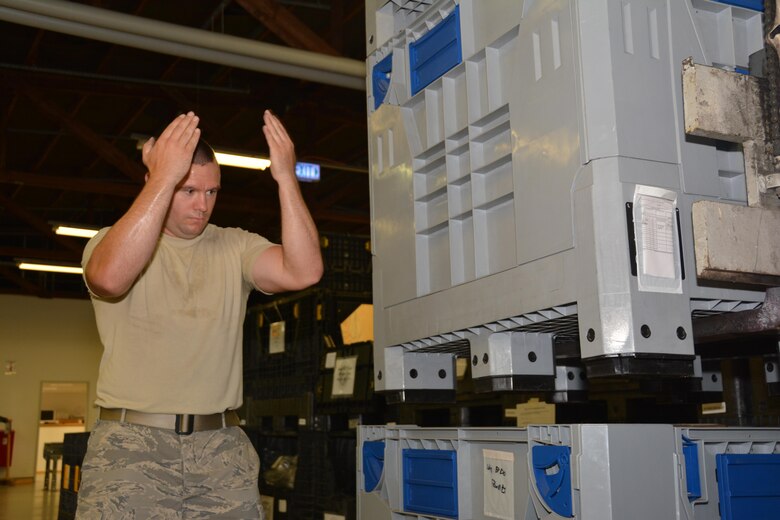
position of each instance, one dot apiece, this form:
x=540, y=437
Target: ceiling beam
x=289, y=28
x=70, y=184
x=38, y=224
x=50, y=255
x=117, y=86
x=100, y=146
x=27, y=286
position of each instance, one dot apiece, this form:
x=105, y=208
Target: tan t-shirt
x=173, y=343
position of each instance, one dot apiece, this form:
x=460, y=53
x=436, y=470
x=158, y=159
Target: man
x=169, y=292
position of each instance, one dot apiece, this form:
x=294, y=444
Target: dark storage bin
x=74, y=447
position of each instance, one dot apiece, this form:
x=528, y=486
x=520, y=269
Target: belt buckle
x=187, y=420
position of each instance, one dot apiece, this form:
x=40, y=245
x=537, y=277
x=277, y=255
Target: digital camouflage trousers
x=137, y=472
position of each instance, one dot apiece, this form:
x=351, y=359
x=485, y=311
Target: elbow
x=103, y=285
x=311, y=276
x=317, y=272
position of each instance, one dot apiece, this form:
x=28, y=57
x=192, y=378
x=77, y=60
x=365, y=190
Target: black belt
x=182, y=424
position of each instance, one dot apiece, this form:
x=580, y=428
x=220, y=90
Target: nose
x=200, y=202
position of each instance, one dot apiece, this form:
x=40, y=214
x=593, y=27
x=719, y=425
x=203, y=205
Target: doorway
x=63, y=410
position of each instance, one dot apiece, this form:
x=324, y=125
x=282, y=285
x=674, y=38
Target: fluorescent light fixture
x=50, y=268
x=73, y=231
x=242, y=161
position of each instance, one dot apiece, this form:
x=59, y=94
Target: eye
x=188, y=191
x=212, y=193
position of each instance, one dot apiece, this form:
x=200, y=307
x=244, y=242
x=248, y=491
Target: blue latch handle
x=691, y=457
x=380, y=79
x=554, y=486
x=373, y=463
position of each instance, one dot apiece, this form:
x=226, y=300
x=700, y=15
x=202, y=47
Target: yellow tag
x=319, y=312
x=296, y=311
x=66, y=476
x=76, y=478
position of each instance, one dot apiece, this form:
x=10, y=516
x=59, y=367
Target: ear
x=146, y=177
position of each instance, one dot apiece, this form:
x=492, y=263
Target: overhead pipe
x=197, y=44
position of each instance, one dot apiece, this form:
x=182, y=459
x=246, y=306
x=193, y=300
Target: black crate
x=309, y=322
x=341, y=505
x=314, y=478
x=280, y=415
x=346, y=253
x=74, y=448
x=362, y=400
x=347, y=262
x=312, y=323
x=68, y=503
x=325, y=473
x=347, y=281
x=280, y=504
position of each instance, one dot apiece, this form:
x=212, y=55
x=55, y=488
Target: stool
x=52, y=453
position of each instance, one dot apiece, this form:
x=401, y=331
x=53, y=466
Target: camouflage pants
x=136, y=472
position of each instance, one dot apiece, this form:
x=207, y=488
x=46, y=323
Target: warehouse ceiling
x=73, y=108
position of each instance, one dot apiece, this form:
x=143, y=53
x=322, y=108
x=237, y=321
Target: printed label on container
x=344, y=377
x=657, y=242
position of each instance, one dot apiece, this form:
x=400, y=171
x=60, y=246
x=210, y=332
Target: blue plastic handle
x=380, y=79
x=554, y=486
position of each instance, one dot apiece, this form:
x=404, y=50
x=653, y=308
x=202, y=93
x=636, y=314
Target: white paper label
x=655, y=229
x=344, y=376
x=658, y=236
x=330, y=360
x=276, y=341
x=499, y=484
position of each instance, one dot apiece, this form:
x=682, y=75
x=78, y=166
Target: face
x=193, y=201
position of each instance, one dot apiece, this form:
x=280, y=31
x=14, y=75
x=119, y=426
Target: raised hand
x=281, y=147
x=169, y=157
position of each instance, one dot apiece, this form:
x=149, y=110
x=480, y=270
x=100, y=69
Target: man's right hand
x=169, y=157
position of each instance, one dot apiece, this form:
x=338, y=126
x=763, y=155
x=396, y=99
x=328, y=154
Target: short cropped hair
x=204, y=153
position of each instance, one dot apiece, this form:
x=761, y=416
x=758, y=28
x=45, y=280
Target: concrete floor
x=29, y=501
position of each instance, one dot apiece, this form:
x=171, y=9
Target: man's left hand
x=282, y=150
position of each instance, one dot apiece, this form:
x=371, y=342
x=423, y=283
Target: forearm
x=301, y=255
x=123, y=253
x=297, y=264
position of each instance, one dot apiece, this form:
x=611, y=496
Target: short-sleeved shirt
x=173, y=343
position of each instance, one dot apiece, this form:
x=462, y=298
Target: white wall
x=49, y=340
x=66, y=404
